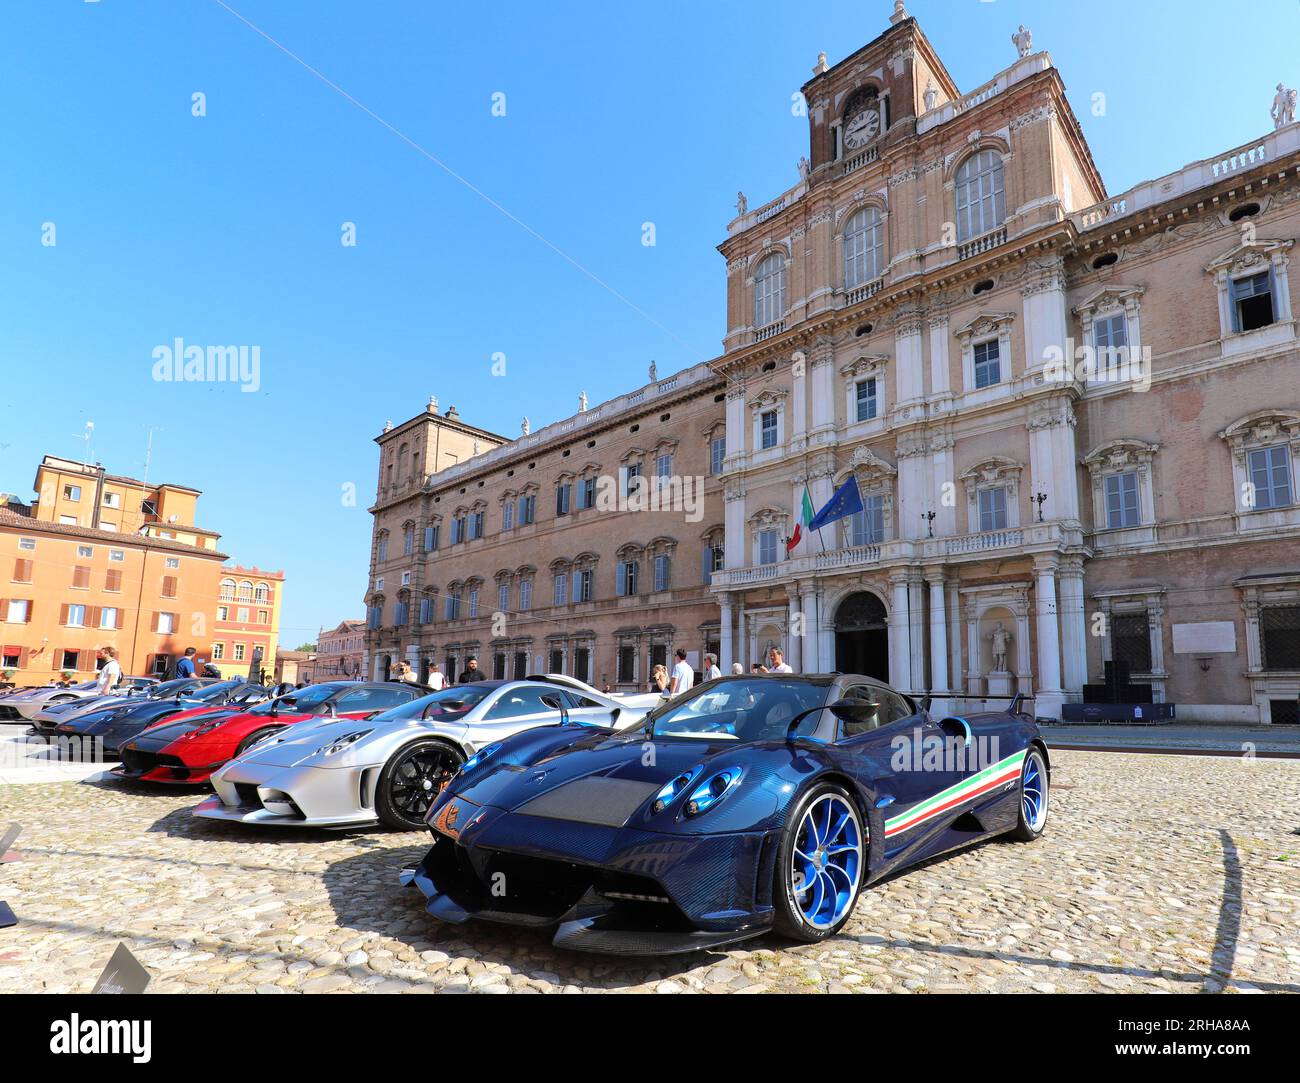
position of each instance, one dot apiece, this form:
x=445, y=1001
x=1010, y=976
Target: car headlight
x=344, y=742
x=482, y=754
x=671, y=789
x=713, y=790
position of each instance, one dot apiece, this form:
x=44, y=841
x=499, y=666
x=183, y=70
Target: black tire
x=255, y=737
x=790, y=920
x=1025, y=831
x=412, y=779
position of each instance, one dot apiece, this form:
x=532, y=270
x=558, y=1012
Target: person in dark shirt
x=471, y=672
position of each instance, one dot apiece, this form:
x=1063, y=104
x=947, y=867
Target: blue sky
x=225, y=229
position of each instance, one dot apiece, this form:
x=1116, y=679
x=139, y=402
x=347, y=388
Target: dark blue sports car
x=752, y=803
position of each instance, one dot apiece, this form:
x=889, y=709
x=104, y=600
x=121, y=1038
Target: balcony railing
x=770, y=331
x=859, y=160
x=988, y=539
x=861, y=293
x=983, y=243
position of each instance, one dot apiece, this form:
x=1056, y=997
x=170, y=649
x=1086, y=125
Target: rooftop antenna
x=148, y=455
x=85, y=436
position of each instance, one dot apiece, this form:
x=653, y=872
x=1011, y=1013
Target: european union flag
x=846, y=501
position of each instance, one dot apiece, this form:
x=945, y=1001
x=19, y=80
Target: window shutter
x=4, y=609
x=63, y=614
x=93, y=614
x=169, y=586
x=30, y=607
x=157, y=621
x=622, y=578
x=113, y=579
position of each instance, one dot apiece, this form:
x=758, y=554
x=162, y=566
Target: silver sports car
x=388, y=768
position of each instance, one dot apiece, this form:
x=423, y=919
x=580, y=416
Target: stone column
x=900, y=643
x=916, y=626
x=1074, y=629
x=825, y=632
x=793, y=626
x=938, y=633
x=1048, y=694
x=812, y=660
x=724, y=634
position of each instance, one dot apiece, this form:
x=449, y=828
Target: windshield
x=302, y=701
x=215, y=691
x=170, y=688
x=441, y=706
x=742, y=710
x=250, y=693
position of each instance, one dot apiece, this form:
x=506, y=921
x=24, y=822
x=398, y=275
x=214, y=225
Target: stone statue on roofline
x=1023, y=39
x=1283, y=111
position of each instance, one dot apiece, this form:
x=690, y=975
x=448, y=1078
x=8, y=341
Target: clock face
x=862, y=129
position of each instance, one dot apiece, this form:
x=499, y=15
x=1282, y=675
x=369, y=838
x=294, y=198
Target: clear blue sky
x=225, y=229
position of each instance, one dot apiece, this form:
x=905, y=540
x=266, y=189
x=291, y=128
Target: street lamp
x=1039, y=499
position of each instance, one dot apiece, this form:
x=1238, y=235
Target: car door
x=521, y=707
x=587, y=711
x=363, y=702
x=908, y=755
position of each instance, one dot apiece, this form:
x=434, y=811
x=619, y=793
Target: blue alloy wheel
x=824, y=866
x=1033, y=797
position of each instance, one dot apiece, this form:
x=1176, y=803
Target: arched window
x=981, y=203
x=227, y=590
x=864, y=248
x=261, y=592
x=245, y=591
x=769, y=290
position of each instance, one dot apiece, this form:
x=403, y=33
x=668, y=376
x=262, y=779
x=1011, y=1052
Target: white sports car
x=28, y=702
x=388, y=768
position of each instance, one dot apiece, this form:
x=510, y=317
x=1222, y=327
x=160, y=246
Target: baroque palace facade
x=1073, y=419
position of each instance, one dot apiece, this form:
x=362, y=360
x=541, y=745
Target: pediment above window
x=769, y=399
x=865, y=365
x=994, y=471
x=985, y=324
x=1251, y=255
x=1120, y=455
x=1262, y=428
x=869, y=468
x=769, y=518
x=1125, y=297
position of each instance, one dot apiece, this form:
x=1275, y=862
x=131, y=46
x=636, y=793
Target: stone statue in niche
x=1001, y=640
x=931, y=95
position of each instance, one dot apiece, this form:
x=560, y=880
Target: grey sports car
x=388, y=768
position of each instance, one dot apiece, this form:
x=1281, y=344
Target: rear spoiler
x=1012, y=708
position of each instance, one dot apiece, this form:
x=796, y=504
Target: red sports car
x=187, y=751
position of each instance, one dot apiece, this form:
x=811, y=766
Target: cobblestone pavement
x=1157, y=873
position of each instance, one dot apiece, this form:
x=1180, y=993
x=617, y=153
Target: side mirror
x=854, y=710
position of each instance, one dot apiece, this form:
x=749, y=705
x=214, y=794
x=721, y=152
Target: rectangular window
x=993, y=508
x=112, y=500
x=172, y=562
x=408, y=541
x=1110, y=339
x=582, y=663
x=113, y=580
x=169, y=587
x=67, y=520
x=218, y=651
x=430, y=538
x=631, y=473
x=866, y=399
x=108, y=617
x=561, y=589
x=867, y=527
x=19, y=611
x=165, y=623
x=1130, y=640
x=70, y=659
x=85, y=551
x=81, y=576
x=767, y=547
x=717, y=452
x=401, y=613
x=72, y=492
x=473, y=603
x=716, y=558
x=76, y=617
x=499, y=666
x=239, y=652
x=525, y=594
x=527, y=509
x=767, y=429
x=223, y=612
x=626, y=664
x=1279, y=634
x=661, y=572
x=406, y=579
x=584, y=585
x=557, y=660
x=27, y=543
x=476, y=525
x=988, y=364
x=149, y=507
x=117, y=555
x=1270, y=476
x=263, y=617
x=508, y=515
x=1252, y=301
x=22, y=570
x=627, y=578
x=664, y=466
x=242, y=613
x=426, y=610
x=1121, y=500
x=562, y=499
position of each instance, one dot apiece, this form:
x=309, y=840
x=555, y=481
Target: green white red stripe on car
x=999, y=774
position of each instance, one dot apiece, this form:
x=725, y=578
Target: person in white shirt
x=683, y=676
x=436, y=680
x=776, y=662
x=711, y=670
x=111, y=671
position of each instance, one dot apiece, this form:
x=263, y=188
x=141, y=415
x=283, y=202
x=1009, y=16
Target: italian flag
x=805, y=517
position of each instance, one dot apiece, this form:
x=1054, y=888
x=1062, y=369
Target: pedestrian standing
x=711, y=670
x=436, y=679
x=683, y=675
x=110, y=673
